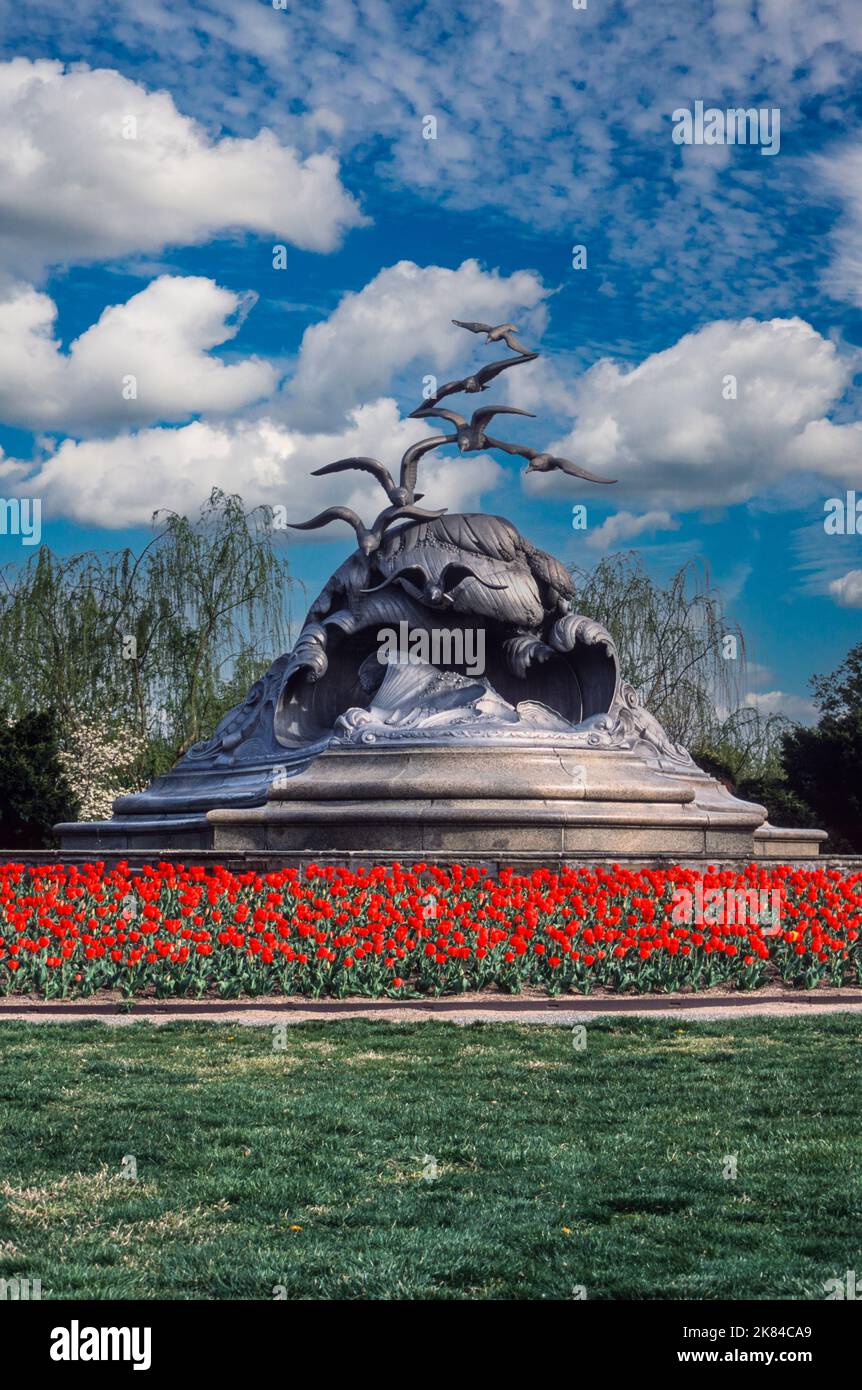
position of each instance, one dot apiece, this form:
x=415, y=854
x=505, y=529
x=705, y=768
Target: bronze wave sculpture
x=349, y=741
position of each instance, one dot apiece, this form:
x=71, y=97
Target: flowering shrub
x=175, y=930
x=99, y=767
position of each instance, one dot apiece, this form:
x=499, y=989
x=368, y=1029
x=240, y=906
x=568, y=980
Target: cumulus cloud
x=624, y=526
x=160, y=337
x=780, y=702
x=402, y=319
x=95, y=166
x=733, y=411
x=334, y=408
x=673, y=434
x=829, y=449
x=121, y=481
x=847, y=591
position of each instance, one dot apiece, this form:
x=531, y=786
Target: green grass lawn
x=313, y=1167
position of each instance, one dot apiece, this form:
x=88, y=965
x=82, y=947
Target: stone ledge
x=524, y=862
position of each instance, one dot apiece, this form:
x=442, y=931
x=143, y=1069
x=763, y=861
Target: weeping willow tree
x=159, y=643
x=745, y=745
x=675, y=643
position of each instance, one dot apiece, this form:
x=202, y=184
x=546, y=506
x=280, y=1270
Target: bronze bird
x=368, y=537
x=544, y=463
x=478, y=381
x=504, y=331
x=435, y=593
x=398, y=496
x=471, y=433
x=410, y=460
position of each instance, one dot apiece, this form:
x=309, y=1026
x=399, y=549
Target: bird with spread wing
x=543, y=462
x=370, y=537
x=471, y=434
x=477, y=381
x=504, y=332
x=398, y=494
x=402, y=495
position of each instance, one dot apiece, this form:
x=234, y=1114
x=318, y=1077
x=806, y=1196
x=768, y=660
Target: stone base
x=475, y=801
x=772, y=842
x=151, y=834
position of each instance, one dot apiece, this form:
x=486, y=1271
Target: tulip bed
x=168, y=930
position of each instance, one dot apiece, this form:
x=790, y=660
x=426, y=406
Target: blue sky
x=151, y=157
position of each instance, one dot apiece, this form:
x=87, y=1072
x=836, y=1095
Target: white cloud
x=665, y=429
x=163, y=337
x=824, y=560
x=731, y=587
x=557, y=151
x=401, y=319
x=757, y=671
x=623, y=526
x=840, y=168
x=121, y=481
x=847, y=591
x=830, y=449
x=74, y=187
x=160, y=336
x=780, y=702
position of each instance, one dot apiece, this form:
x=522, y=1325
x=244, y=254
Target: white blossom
x=97, y=763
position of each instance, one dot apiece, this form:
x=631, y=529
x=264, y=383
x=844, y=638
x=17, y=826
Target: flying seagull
x=410, y=461
x=545, y=463
x=479, y=381
x=398, y=496
x=368, y=537
x=471, y=434
x=437, y=593
x=504, y=331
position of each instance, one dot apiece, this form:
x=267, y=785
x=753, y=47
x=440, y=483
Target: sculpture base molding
x=471, y=802
x=490, y=800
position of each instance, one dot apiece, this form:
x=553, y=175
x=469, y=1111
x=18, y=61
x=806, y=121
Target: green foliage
x=670, y=641
x=824, y=764
x=432, y=1161
x=808, y=777
x=671, y=645
x=783, y=806
x=745, y=746
x=34, y=793
x=745, y=753
x=839, y=695
x=161, y=643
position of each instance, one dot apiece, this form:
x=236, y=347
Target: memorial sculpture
x=354, y=742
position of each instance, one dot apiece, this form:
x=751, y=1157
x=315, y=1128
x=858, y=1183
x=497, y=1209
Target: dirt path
x=488, y=1008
